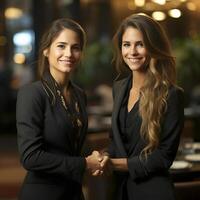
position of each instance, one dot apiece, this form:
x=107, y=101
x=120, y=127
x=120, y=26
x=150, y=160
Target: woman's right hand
x=106, y=166
x=94, y=162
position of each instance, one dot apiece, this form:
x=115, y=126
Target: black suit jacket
x=147, y=179
x=54, y=168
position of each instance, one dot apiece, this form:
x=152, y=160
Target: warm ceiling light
x=161, y=2
x=19, y=58
x=183, y=0
x=175, y=13
x=158, y=15
x=191, y=6
x=139, y=3
x=13, y=13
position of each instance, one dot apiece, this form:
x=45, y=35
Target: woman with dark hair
x=52, y=120
x=147, y=116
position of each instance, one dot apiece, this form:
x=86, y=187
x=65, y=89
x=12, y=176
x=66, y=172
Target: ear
x=45, y=52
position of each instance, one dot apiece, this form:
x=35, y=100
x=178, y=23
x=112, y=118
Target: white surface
x=181, y=165
x=193, y=157
x=196, y=145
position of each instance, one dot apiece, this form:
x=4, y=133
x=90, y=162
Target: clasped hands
x=99, y=164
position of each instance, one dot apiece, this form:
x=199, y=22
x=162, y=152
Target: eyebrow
x=130, y=41
x=67, y=43
x=61, y=43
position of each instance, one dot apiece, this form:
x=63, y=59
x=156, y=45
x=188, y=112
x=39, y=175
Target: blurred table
x=192, y=111
x=99, y=123
x=11, y=175
x=189, y=157
x=183, y=175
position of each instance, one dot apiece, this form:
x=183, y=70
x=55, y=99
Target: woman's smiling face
x=133, y=50
x=64, y=52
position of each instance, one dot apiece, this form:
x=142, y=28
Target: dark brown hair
x=51, y=34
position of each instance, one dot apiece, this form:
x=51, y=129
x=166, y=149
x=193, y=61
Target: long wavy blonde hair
x=160, y=75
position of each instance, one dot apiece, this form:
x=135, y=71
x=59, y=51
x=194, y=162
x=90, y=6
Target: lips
x=66, y=62
x=134, y=60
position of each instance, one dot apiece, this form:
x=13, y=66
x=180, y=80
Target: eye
x=61, y=46
x=140, y=44
x=125, y=44
x=76, y=48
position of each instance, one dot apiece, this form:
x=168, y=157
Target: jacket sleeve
x=30, y=121
x=163, y=156
x=111, y=147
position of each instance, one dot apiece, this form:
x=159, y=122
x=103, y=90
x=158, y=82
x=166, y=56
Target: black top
x=128, y=121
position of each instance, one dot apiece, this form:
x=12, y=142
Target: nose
x=68, y=52
x=133, y=50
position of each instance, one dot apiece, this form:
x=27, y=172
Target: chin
x=135, y=68
x=68, y=69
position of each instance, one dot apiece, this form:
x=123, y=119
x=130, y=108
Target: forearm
x=119, y=164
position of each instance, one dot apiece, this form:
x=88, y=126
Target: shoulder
x=175, y=100
x=81, y=93
x=176, y=93
x=32, y=87
x=30, y=101
x=31, y=92
x=118, y=82
x=78, y=89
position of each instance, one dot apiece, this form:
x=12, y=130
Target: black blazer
x=147, y=179
x=54, y=168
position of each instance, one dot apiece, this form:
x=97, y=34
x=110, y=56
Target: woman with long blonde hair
x=147, y=116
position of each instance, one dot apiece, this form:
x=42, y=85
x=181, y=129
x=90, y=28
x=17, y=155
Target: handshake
x=99, y=164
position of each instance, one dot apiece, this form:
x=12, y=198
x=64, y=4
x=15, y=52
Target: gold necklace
x=74, y=116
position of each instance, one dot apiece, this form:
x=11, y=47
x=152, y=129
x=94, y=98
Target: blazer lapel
x=60, y=111
x=82, y=105
x=119, y=90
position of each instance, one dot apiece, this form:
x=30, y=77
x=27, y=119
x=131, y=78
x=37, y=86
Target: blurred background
x=22, y=22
